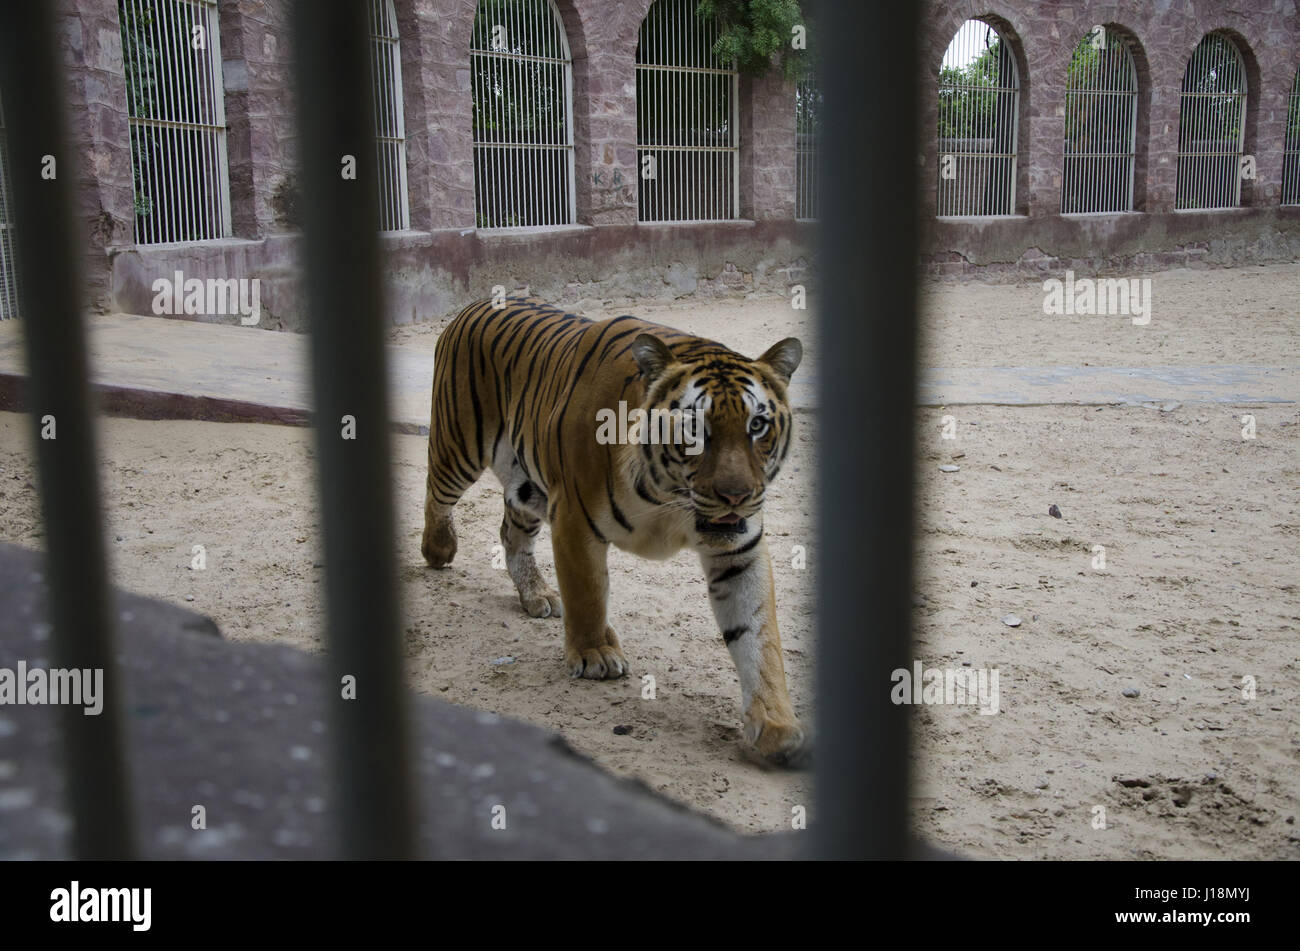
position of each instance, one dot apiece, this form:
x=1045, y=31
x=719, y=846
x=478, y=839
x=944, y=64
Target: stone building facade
x=443, y=260
x=1038, y=239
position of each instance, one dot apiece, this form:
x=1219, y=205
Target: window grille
x=1100, y=126
x=808, y=114
x=390, y=126
x=688, y=160
x=1291, y=153
x=979, y=120
x=1212, y=126
x=8, y=267
x=172, y=56
x=522, y=82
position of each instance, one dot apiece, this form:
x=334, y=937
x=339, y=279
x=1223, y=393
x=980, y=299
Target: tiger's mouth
x=729, y=524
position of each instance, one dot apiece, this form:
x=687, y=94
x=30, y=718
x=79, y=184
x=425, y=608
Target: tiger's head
x=735, y=428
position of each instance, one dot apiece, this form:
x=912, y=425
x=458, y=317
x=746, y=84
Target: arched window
x=1291, y=153
x=1212, y=125
x=1100, y=126
x=8, y=266
x=522, y=81
x=171, y=52
x=390, y=127
x=979, y=119
x=807, y=124
x=688, y=162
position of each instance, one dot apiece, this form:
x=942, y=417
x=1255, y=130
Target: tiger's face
x=734, y=431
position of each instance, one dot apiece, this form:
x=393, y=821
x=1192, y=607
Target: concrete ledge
x=432, y=274
x=1020, y=248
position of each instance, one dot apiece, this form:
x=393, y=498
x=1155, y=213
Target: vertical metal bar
x=219, y=106
x=187, y=76
x=349, y=380
x=49, y=256
x=519, y=157
x=571, y=136
x=204, y=88
x=479, y=84
x=868, y=363
x=130, y=40
x=157, y=110
x=526, y=69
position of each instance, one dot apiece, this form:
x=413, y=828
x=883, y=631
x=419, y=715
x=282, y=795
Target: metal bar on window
x=688, y=106
x=176, y=117
x=979, y=124
x=1100, y=126
x=1291, y=148
x=1211, y=126
x=522, y=83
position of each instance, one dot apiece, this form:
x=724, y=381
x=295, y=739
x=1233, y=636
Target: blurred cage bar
x=96, y=783
x=1291, y=151
x=390, y=122
x=171, y=52
x=8, y=266
x=866, y=342
x=372, y=753
x=522, y=86
x=979, y=123
x=1100, y=126
x=687, y=101
x=1211, y=126
x=807, y=123
x=862, y=779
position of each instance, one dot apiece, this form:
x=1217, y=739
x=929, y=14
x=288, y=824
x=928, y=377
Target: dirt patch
x=1200, y=587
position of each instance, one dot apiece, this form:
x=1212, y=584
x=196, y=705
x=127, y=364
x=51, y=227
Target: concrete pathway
x=156, y=368
x=1104, y=386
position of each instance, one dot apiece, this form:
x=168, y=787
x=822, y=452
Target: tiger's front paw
x=604, y=662
x=782, y=741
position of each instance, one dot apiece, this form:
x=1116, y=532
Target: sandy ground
x=1200, y=529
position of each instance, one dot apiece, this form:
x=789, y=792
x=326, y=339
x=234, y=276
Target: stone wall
x=442, y=261
x=1043, y=34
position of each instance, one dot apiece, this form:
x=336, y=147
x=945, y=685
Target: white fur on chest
x=661, y=531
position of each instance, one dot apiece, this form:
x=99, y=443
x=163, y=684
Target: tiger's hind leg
x=525, y=509
x=447, y=481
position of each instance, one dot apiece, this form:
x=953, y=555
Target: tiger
x=527, y=390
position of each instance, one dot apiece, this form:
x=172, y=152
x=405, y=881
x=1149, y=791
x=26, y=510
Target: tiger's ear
x=651, y=355
x=784, y=358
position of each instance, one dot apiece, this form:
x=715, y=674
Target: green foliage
x=1215, y=119
x=757, y=34
x=160, y=79
x=969, y=95
x=141, y=67
x=1095, y=120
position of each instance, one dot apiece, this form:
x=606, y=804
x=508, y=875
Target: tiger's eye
x=758, y=425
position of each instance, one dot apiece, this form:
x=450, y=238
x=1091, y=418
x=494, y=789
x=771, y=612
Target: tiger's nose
x=735, y=499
